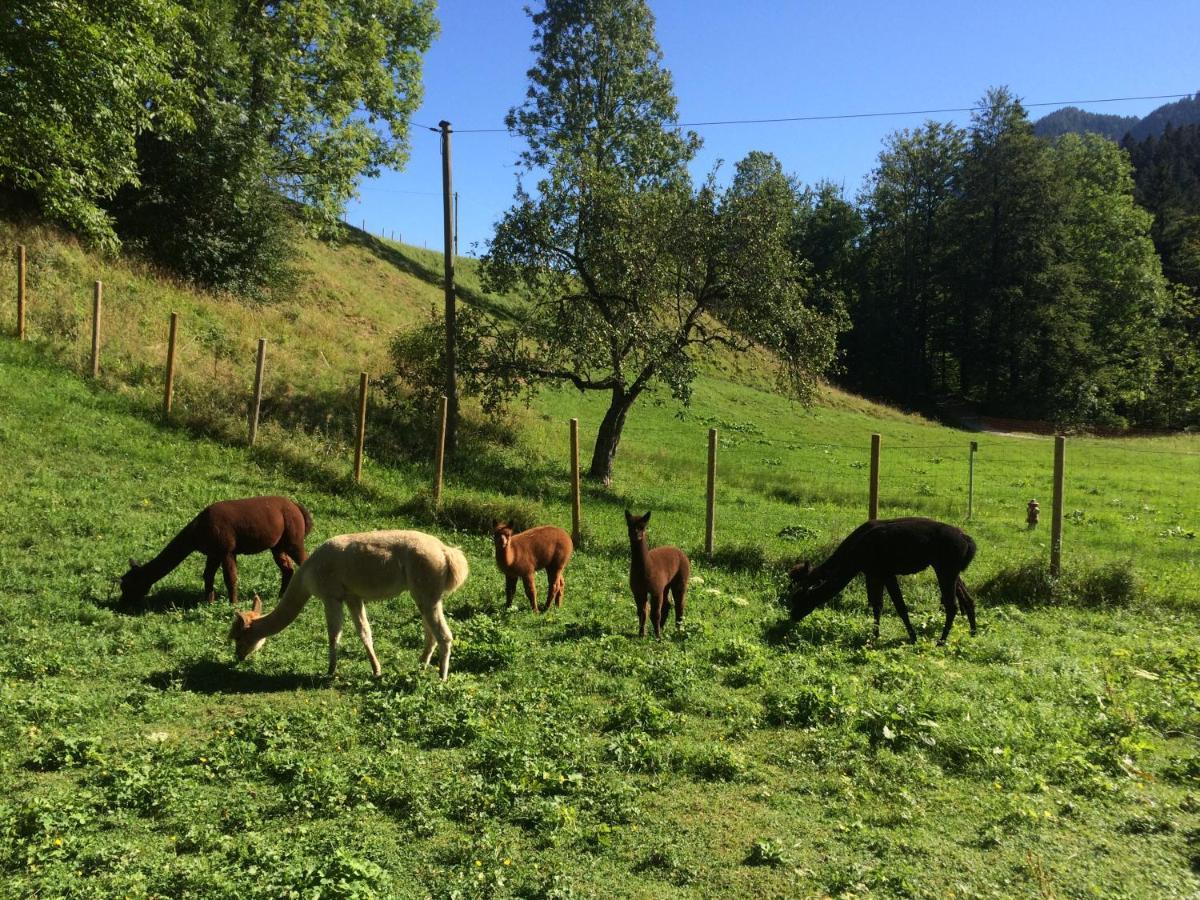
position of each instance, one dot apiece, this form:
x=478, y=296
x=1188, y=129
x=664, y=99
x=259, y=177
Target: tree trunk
x=609, y=435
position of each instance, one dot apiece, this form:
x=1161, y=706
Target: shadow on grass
x=433, y=275
x=161, y=601
x=213, y=677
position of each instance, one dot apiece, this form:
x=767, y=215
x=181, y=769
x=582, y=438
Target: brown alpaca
x=652, y=573
x=221, y=532
x=522, y=555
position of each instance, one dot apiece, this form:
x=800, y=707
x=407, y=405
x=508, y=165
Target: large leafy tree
x=79, y=82
x=294, y=100
x=630, y=271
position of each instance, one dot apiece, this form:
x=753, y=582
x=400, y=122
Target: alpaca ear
x=495, y=524
x=132, y=563
x=257, y=607
x=646, y=518
x=628, y=516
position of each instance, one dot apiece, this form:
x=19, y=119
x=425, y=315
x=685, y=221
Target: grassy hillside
x=1055, y=753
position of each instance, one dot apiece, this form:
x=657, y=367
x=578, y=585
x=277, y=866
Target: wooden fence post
x=169, y=389
x=97, y=302
x=971, y=479
x=20, y=292
x=441, y=454
x=362, y=426
x=711, y=510
x=576, y=511
x=1056, y=523
x=873, y=502
x=256, y=403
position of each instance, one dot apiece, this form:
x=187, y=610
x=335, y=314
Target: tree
x=295, y=100
x=82, y=81
x=629, y=270
x=906, y=323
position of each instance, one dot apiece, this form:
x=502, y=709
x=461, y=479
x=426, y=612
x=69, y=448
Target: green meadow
x=1056, y=753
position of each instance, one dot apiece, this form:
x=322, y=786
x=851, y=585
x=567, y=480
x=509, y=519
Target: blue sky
x=764, y=59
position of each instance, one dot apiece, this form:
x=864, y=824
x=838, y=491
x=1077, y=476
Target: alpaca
x=353, y=568
x=652, y=573
x=221, y=532
x=522, y=555
x=881, y=550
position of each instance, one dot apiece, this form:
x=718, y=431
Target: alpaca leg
x=966, y=601
x=510, y=590
x=680, y=593
x=333, y=624
x=560, y=588
x=947, y=583
x=553, y=577
x=229, y=570
x=875, y=597
x=530, y=590
x=283, y=561
x=210, y=577
x=441, y=631
x=358, y=614
x=643, y=607
x=893, y=587
x=430, y=641
x=657, y=612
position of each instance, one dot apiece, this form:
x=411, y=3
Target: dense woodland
x=989, y=267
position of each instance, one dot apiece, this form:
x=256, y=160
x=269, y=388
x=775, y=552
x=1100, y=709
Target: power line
x=868, y=115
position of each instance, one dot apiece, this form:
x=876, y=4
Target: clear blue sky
x=778, y=58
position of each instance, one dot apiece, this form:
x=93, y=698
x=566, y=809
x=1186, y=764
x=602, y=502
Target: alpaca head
x=800, y=597
x=242, y=632
x=133, y=584
x=501, y=534
x=636, y=526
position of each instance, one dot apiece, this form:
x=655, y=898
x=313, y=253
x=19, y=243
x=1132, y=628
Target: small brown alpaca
x=222, y=532
x=652, y=573
x=522, y=555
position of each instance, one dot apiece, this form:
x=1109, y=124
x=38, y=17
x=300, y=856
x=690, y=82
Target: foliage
x=81, y=82
x=204, y=115
x=1008, y=272
x=293, y=100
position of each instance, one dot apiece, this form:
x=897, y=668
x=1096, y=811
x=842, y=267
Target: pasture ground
x=1057, y=753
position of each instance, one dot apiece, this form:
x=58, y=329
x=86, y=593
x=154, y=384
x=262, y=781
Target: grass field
x=1057, y=753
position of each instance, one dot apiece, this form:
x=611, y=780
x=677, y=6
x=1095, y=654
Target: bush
x=1031, y=584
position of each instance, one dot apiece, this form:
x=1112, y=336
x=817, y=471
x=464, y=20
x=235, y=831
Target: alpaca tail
x=308, y=519
x=456, y=569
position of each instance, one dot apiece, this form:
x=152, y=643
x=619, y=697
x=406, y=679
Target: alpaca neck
x=283, y=615
x=834, y=579
x=639, y=556
x=505, y=556
x=179, y=548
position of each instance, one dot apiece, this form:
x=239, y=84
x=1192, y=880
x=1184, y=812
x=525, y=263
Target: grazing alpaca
x=881, y=550
x=221, y=532
x=522, y=555
x=654, y=572
x=353, y=568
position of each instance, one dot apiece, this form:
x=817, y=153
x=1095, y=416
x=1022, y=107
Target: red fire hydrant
x=1031, y=513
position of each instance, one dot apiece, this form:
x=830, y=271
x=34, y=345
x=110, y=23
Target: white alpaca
x=353, y=568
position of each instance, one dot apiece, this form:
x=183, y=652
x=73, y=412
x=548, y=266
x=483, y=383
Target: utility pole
x=448, y=254
x=456, y=224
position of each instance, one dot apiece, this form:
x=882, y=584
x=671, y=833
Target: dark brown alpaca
x=882, y=549
x=652, y=573
x=523, y=555
x=221, y=532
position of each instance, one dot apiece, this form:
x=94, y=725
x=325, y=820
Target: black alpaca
x=882, y=549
